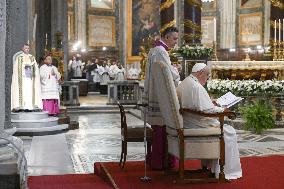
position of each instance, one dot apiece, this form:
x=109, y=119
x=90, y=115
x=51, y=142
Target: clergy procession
x=138, y=94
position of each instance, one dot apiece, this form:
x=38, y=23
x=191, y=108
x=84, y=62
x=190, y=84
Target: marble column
x=179, y=17
x=17, y=34
x=8, y=157
x=59, y=23
x=267, y=34
x=80, y=22
x=123, y=32
x=2, y=61
x=167, y=11
x=192, y=21
x=43, y=25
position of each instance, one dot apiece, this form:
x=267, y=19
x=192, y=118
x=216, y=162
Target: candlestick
x=214, y=56
x=45, y=39
x=215, y=30
x=283, y=31
x=274, y=51
x=275, y=31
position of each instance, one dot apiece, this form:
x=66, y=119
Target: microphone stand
x=145, y=178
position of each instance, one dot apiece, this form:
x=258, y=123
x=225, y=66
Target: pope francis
x=193, y=95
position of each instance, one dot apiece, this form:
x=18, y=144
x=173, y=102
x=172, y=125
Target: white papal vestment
x=193, y=95
x=25, y=86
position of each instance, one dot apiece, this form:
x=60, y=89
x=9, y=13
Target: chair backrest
x=122, y=119
x=168, y=100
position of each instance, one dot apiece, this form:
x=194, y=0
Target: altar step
x=36, y=123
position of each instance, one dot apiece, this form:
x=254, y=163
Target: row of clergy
x=34, y=88
x=116, y=72
x=101, y=73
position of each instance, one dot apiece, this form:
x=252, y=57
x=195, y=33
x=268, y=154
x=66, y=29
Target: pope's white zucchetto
x=197, y=67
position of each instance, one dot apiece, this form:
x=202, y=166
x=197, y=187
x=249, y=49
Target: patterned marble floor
x=98, y=139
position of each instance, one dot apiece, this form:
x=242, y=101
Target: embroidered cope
x=25, y=86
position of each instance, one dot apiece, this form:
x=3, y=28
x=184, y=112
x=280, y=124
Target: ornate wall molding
x=167, y=4
x=277, y=3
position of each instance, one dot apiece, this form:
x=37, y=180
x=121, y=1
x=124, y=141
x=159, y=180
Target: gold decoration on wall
x=189, y=24
x=170, y=24
x=195, y=3
x=192, y=36
x=166, y=4
x=277, y=3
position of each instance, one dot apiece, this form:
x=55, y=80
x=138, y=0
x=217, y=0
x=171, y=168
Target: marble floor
x=93, y=98
x=98, y=139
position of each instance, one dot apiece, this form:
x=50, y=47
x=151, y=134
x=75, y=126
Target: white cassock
x=77, y=67
x=49, y=82
x=112, y=71
x=119, y=76
x=133, y=73
x=104, y=76
x=193, y=95
x=96, y=78
x=25, y=86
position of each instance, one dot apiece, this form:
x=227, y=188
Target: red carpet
x=76, y=181
x=258, y=173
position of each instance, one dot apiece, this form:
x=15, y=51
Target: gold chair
x=183, y=143
x=132, y=133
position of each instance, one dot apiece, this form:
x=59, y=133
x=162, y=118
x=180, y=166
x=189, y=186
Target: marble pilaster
x=2, y=60
x=43, y=11
x=80, y=22
x=17, y=33
x=9, y=172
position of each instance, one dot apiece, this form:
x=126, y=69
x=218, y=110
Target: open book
x=228, y=100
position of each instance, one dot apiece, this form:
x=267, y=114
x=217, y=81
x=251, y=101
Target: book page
x=228, y=100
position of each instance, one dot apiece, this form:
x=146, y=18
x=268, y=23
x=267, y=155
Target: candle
x=279, y=31
x=46, y=39
x=275, y=24
x=215, y=31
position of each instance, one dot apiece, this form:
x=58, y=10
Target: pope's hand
x=214, y=101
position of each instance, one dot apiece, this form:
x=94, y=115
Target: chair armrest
x=226, y=113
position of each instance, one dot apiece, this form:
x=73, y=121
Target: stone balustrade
x=126, y=92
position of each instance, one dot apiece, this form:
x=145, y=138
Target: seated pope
x=193, y=95
x=25, y=86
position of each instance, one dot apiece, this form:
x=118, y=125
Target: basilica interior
x=100, y=54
